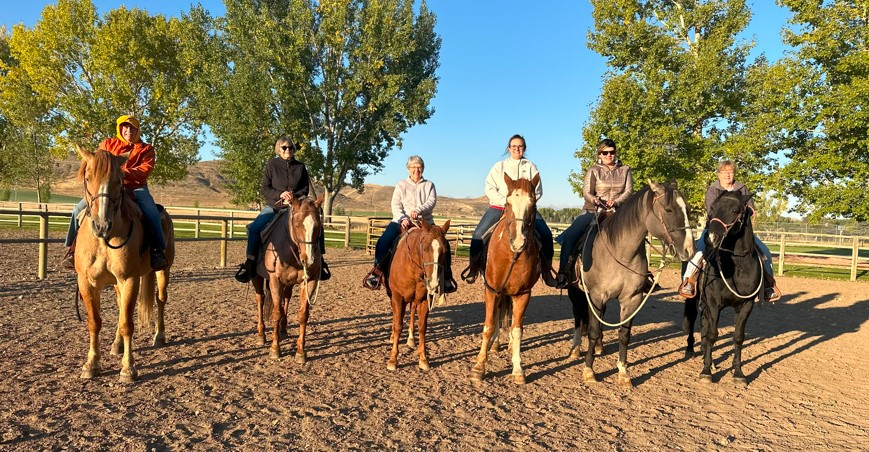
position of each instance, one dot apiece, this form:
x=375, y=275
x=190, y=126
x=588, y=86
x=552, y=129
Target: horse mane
x=628, y=214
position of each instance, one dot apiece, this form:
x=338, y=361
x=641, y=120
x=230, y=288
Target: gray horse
x=614, y=266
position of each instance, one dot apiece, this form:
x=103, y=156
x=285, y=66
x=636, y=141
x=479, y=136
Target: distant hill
x=204, y=184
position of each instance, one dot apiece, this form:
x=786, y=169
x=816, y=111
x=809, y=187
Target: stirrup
x=687, y=289
x=242, y=275
x=325, y=273
x=373, y=280
x=68, y=261
x=561, y=281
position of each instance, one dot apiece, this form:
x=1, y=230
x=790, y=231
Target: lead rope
x=733, y=291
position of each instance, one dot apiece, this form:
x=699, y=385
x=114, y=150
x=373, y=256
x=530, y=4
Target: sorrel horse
x=291, y=257
x=416, y=277
x=733, y=276
x=110, y=249
x=614, y=266
x=512, y=270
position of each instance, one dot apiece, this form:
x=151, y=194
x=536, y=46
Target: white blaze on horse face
x=520, y=202
x=434, y=280
x=309, y=239
x=102, y=219
x=689, y=234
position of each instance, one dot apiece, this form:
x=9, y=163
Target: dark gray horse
x=733, y=276
x=614, y=265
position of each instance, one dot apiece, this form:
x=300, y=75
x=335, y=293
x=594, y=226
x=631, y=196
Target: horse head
x=520, y=209
x=672, y=226
x=433, y=247
x=305, y=225
x=730, y=214
x=103, y=181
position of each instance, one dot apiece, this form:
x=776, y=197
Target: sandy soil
x=211, y=387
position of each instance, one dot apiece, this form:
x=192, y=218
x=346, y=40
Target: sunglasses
x=288, y=148
x=607, y=153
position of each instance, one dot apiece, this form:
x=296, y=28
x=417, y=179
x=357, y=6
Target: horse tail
x=267, y=300
x=147, y=296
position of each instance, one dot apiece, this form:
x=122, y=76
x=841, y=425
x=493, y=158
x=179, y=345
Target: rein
x=423, y=265
x=91, y=199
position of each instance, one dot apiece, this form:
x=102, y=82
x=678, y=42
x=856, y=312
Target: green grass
x=30, y=196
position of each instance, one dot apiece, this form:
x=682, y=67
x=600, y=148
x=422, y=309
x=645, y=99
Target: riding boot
x=450, y=285
x=563, y=278
x=374, y=279
x=68, y=261
x=469, y=274
x=246, y=270
x=771, y=291
x=158, y=259
x=325, y=274
x=688, y=287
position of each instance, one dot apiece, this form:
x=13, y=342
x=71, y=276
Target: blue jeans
x=255, y=228
x=151, y=215
x=701, y=248
x=491, y=217
x=571, y=235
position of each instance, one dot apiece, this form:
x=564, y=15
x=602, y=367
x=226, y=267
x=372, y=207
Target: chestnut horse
x=110, y=250
x=291, y=257
x=416, y=276
x=512, y=270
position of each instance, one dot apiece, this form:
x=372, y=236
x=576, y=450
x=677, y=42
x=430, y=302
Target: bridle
x=526, y=225
x=671, y=243
x=296, y=250
x=740, y=219
x=423, y=265
x=90, y=199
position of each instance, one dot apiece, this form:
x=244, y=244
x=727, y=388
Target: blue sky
x=506, y=67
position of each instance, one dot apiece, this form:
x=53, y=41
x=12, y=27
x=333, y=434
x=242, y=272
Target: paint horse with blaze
x=291, y=257
x=110, y=249
x=732, y=276
x=416, y=278
x=512, y=269
x=615, y=266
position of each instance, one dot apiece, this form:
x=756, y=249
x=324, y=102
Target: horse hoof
x=261, y=340
x=625, y=381
x=588, y=376
x=689, y=354
x=274, y=353
x=117, y=349
x=128, y=376
x=423, y=365
x=598, y=350
x=706, y=378
x=476, y=376
x=411, y=344
x=575, y=353
x=518, y=379
x=442, y=300
x=740, y=379
x=159, y=342
x=391, y=365
x=89, y=373
x=301, y=357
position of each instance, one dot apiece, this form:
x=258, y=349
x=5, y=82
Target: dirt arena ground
x=212, y=388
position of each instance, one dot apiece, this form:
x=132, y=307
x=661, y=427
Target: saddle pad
x=276, y=237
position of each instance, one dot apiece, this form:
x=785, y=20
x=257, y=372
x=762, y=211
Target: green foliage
x=339, y=210
x=5, y=194
x=825, y=136
x=44, y=192
x=676, y=96
x=345, y=78
x=564, y=216
x=85, y=71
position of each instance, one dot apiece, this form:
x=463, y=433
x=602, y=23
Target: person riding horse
x=727, y=182
x=413, y=199
x=283, y=179
x=607, y=185
x=517, y=167
x=137, y=168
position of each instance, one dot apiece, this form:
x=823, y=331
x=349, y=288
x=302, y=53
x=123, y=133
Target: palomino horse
x=110, y=250
x=512, y=270
x=616, y=265
x=733, y=276
x=416, y=276
x=292, y=257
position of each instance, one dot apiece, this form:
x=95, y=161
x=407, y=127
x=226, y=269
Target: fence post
x=855, y=254
x=223, y=244
x=781, y=254
x=196, y=229
x=43, y=245
x=231, y=224
x=347, y=233
x=20, y=216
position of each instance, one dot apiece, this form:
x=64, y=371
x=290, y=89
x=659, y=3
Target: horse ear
x=446, y=226
x=125, y=156
x=535, y=180
x=747, y=198
x=508, y=180
x=673, y=182
x=83, y=152
x=424, y=225
x=319, y=201
x=656, y=187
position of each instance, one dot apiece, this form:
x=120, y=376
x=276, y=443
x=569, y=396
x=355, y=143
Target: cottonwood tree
x=91, y=70
x=345, y=78
x=676, y=93
x=824, y=132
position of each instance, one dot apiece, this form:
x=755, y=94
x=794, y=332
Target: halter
x=423, y=265
x=516, y=253
x=671, y=243
x=315, y=244
x=727, y=227
x=90, y=199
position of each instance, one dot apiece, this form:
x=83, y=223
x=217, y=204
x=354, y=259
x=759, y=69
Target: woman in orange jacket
x=136, y=170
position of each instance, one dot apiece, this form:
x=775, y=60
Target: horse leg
x=598, y=345
x=117, y=348
x=282, y=327
x=489, y=329
x=742, y=313
x=580, y=320
x=126, y=308
x=277, y=291
x=689, y=318
x=624, y=378
x=398, y=307
x=520, y=303
x=413, y=310
x=91, y=297
x=505, y=309
x=304, y=313
x=422, y=315
x=594, y=335
x=708, y=336
x=259, y=299
x=162, y=296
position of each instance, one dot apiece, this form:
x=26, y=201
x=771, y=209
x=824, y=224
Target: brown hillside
x=204, y=184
